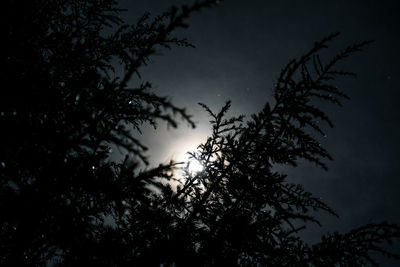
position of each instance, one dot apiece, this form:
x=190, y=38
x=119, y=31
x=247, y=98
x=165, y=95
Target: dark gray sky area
x=241, y=47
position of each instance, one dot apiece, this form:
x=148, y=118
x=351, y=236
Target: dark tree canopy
x=64, y=202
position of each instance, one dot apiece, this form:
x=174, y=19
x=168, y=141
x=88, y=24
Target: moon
x=180, y=153
x=195, y=166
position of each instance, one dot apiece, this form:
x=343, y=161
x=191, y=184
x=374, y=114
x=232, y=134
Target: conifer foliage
x=64, y=202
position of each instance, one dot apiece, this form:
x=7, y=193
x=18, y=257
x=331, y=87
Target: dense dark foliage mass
x=64, y=202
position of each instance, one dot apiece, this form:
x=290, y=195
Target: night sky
x=241, y=47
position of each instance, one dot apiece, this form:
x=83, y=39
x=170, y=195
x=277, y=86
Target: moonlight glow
x=180, y=153
x=195, y=166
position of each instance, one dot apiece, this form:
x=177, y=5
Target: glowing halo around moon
x=195, y=166
x=180, y=154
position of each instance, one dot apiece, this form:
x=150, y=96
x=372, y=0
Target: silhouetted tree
x=64, y=102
